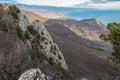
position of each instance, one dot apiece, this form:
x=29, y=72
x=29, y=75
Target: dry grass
x=32, y=16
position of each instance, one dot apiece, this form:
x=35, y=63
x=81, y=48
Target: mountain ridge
x=29, y=47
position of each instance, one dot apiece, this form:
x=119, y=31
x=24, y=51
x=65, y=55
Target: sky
x=102, y=4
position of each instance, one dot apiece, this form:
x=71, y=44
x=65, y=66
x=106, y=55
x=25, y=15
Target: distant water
x=105, y=16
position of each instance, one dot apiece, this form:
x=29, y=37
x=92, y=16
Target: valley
x=86, y=56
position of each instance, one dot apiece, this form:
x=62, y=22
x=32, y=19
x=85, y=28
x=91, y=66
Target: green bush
x=114, y=60
x=6, y=26
x=20, y=32
x=32, y=30
x=41, y=56
x=64, y=71
x=27, y=35
x=113, y=37
x=59, y=57
x=37, y=53
x=42, y=33
x=41, y=46
x=43, y=38
x=51, y=48
x=14, y=11
x=54, y=53
x=55, y=47
x=51, y=61
x=46, y=43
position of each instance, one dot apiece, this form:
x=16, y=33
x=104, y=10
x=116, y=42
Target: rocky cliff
x=27, y=46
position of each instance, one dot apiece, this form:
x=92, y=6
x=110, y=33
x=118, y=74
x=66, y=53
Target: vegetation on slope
x=13, y=10
x=114, y=38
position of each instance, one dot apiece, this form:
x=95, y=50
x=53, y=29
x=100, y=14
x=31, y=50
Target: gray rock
x=33, y=74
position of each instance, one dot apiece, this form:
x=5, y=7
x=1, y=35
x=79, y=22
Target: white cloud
x=108, y=5
x=101, y=4
x=58, y=3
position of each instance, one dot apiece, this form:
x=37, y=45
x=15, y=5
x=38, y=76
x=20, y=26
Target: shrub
x=59, y=57
x=37, y=53
x=27, y=35
x=64, y=71
x=32, y=30
x=43, y=38
x=51, y=61
x=14, y=11
x=113, y=37
x=54, y=53
x=50, y=42
x=114, y=60
x=55, y=47
x=9, y=26
x=46, y=43
x=6, y=26
x=51, y=48
x=20, y=32
x=41, y=56
x=41, y=46
x=42, y=33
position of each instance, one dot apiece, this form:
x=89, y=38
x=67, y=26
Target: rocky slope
x=27, y=46
x=86, y=57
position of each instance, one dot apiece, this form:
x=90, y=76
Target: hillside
x=88, y=28
x=86, y=57
x=32, y=16
x=27, y=51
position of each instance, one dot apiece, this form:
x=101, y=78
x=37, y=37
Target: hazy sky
x=103, y=4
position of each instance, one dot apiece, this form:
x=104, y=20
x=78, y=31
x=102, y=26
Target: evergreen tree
x=113, y=37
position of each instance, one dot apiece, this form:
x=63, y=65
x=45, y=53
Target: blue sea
x=105, y=16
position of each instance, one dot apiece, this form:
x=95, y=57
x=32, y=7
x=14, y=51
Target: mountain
x=27, y=50
x=88, y=28
x=85, y=57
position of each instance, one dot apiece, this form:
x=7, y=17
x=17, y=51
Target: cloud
x=58, y=3
x=7, y=1
x=102, y=4
x=107, y=5
x=103, y=1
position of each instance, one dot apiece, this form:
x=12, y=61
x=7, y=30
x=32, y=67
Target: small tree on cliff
x=113, y=37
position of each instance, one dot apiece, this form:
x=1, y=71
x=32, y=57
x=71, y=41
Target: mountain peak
x=93, y=23
x=92, y=20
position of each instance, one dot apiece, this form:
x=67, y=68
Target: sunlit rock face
x=47, y=43
x=34, y=74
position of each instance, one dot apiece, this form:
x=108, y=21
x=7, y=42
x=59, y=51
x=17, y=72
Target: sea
x=104, y=15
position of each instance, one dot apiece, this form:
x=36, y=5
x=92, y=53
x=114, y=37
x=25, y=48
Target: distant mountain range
x=105, y=16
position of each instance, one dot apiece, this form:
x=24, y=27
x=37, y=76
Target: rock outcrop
x=33, y=74
x=46, y=42
x=27, y=46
